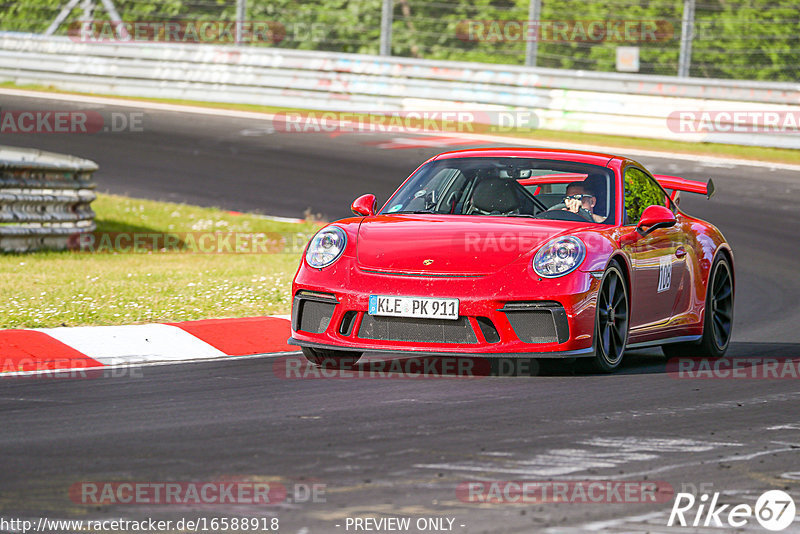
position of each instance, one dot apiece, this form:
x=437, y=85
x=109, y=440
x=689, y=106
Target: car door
x=658, y=259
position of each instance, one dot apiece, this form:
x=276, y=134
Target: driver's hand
x=573, y=205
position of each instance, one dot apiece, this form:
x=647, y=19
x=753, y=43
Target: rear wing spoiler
x=682, y=184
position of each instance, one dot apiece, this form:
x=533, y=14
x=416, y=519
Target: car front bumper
x=545, y=318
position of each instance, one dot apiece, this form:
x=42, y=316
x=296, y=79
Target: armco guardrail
x=591, y=102
x=44, y=199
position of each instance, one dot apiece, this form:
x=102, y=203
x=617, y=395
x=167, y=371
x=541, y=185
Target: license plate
x=422, y=307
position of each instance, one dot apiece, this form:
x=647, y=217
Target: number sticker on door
x=664, y=273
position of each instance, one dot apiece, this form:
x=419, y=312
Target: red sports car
x=518, y=252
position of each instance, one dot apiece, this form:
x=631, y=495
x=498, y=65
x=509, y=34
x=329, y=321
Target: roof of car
x=580, y=156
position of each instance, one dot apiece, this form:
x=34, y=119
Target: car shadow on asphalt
x=742, y=360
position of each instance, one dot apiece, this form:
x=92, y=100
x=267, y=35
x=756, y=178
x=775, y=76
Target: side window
x=641, y=191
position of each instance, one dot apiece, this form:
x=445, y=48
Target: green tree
x=744, y=39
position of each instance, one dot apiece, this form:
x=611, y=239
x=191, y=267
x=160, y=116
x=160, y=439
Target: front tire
x=611, y=321
x=331, y=359
x=718, y=317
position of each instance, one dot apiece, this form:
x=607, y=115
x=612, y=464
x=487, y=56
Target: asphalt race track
x=401, y=447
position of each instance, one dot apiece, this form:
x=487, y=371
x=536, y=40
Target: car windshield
x=510, y=187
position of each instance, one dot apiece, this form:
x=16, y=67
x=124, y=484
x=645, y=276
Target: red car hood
x=448, y=244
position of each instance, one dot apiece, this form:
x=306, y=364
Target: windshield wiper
x=414, y=211
x=526, y=215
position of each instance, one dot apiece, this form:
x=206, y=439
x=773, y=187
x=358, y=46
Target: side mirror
x=653, y=218
x=364, y=205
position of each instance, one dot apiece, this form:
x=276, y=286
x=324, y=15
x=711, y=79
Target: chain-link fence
x=739, y=39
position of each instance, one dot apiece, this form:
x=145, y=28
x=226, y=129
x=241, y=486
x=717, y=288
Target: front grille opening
x=314, y=316
x=346, y=326
x=488, y=330
x=420, y=330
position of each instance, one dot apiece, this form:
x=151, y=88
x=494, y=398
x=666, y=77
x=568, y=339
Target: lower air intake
x=538, y=322
x=314, y=316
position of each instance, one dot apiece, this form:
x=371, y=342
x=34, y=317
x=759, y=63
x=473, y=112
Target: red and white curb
x=87, y=347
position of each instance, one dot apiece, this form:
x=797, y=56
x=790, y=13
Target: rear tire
x=332, y=359
x=718, y=317
x=611, y=321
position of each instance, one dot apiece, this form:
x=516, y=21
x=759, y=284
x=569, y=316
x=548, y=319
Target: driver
x=580, y=199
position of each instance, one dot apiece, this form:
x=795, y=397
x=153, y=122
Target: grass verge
x=111, y=285
x=745, y=152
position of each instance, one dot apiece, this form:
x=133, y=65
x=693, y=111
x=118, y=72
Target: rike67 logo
x=774, y=510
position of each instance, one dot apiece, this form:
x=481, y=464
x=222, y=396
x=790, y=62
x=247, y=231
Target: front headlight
x=559, y=257
x=326, y=247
